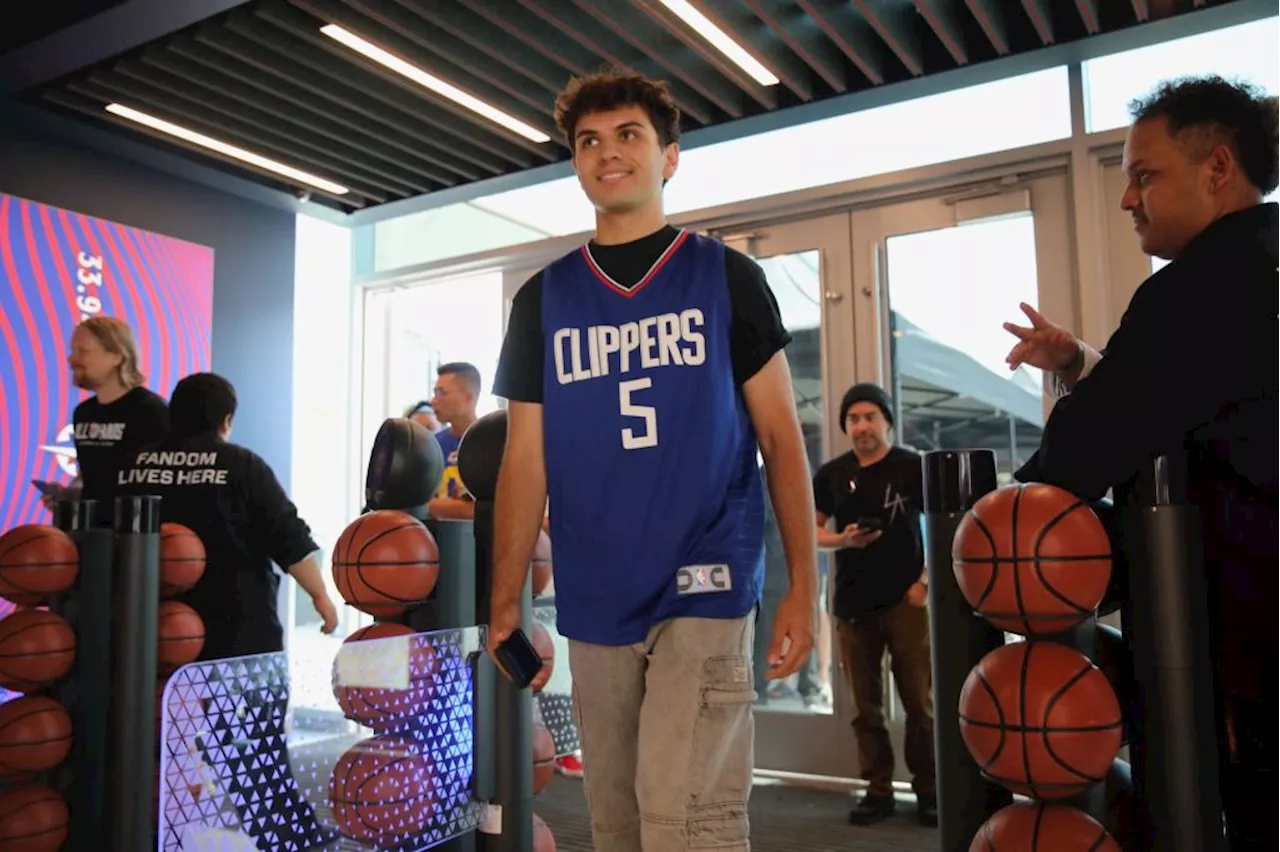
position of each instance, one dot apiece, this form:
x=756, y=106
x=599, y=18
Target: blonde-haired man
x=121, y=416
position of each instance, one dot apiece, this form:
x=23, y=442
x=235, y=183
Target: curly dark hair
x=611, y=90
x=1210, y=110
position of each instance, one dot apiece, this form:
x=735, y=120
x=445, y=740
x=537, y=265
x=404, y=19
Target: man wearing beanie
x=872, y=494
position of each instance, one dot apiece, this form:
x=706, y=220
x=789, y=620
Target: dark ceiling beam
x=110, y=33
x=303, y=27
x=1041, y=16
x=1141, y=10
x=93, y=109
x=366, y=83
x=805, y=38
x=991, y=18
x=468, y=28
x=851, y=33
x=894, y=23
x=305, y=112
x=1088, y=10
x=319, y=135
x=581, y=55
x=239, y=133
x=687, y=44
x=751, y=33
x=439, y=53
x=941, y=17
x=562, y=15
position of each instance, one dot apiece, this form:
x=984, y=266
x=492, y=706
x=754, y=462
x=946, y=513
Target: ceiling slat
x=804, y=38
x=991, y=18
x=1088, y=10
x=1041, y=16
x=281, y=121
x=892, y=22
x=304, y=28
x=756, y=37
x=941, y=17
x=280, y=97
x=851, y=33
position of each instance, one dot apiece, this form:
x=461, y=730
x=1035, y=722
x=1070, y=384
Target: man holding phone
x=874, y=496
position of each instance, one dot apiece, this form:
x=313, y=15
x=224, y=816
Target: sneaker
x=570, y=766
x=927, y=812
x=872, y=809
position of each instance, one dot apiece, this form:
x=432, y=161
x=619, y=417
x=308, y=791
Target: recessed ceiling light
x=721, y=41
x=433, y=83
x=212, y=144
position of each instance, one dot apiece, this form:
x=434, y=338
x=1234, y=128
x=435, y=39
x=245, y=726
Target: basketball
x=1040, y=719
x=544, y=757
x=543, y=839
x=35, y=735
x=36, y=561
x=179, y=636
x=1026, y=827
x=546, y=648
x=383, y=791
x=182, y=559
x=385, y=562
x=33, y=818
x=541, y=563
x=366, y=681
x=1032, y=559
x=36, y=648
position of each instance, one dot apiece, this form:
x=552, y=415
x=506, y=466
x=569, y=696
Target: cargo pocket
x=722, y=752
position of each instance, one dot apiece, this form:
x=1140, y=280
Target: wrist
x=1076, y=362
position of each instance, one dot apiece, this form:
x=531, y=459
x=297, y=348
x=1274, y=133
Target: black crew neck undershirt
x=628, y=263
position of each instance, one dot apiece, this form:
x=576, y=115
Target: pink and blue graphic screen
x=56, y=269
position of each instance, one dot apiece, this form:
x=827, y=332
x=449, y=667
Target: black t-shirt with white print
x=230, y=498
x=106, y=435
x=875, y=577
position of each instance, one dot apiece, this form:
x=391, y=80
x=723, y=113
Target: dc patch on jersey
x=702, y=579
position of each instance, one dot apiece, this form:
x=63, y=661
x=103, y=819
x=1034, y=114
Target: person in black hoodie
x=1192, y=371
x=872, y=495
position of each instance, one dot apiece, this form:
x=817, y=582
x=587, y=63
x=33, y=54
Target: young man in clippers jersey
x=644, y=372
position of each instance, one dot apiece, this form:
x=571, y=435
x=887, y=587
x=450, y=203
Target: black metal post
x=87, y=693
x=1173, y=747
x=954, y=480
x=511, y=726
x=137, y=602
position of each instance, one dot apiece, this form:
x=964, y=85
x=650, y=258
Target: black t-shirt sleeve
x=519, y=375
x=152, y=422
x=823, y=499
x=278, y=530
x=756, y=333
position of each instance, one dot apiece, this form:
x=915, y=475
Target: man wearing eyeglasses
x=872, y=496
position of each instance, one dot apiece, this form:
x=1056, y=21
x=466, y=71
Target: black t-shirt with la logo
x=107, y=435
x=878, y=576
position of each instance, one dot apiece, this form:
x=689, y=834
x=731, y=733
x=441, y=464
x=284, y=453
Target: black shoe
x=927, y=812
x=872, y=809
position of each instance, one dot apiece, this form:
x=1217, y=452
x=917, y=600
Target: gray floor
x=783, y=819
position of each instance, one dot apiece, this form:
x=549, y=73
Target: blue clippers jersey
x=656, y=502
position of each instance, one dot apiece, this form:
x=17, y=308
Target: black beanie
x=865, y=392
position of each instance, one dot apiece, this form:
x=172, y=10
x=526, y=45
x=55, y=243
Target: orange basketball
x=385, y=562
x=36, y=648
x=182, y=559
x=383, y=791
x=35, y=735
x=1032, y=559
x=543, y=839
x=179, y=636
x=1040, y=719
x=546, y=648
x=541, y=563
x=544, y=757
x=385, y=707
x=36, y=561
x=1026, y=827
x=33, y=818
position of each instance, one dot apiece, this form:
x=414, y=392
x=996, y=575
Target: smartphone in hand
x=869, y=524
x=519, y=658
x=49, y=489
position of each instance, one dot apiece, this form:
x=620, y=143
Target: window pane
x=947, y=126
x=1247, y=51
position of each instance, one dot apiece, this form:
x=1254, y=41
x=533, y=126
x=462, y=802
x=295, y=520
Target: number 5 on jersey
x=647, y=413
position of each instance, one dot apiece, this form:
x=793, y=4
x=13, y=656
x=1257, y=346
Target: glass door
x=938, y=277
x=802, y=723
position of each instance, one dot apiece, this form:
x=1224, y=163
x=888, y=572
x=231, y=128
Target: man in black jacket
x=1192, y=369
